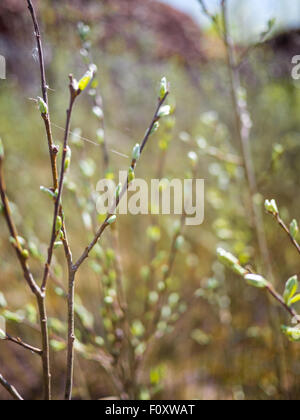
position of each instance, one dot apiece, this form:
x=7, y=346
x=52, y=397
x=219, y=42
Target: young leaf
x=294, y=229
x=85, y=80
x=291, y=288
x=294, y=300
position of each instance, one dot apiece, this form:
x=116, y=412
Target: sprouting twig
x=21, y=343
x=75, y=267
x=11, y=389
x=280, y=299
x=46, y=116
x=102, y=228
x=57, y=207
x=286, y=229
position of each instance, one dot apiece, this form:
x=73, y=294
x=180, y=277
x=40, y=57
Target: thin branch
x=85, y=255
x=105, y=224
x=280, y=299
x=21, y=343
x=46, y=117
x=11, y=389
x=287, y=231
x=14, y=235
x=57, y=207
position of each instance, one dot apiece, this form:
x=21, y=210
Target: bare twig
x=21, y=343
x=11, y=389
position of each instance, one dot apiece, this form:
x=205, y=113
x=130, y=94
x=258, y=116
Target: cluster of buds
x=233, y=264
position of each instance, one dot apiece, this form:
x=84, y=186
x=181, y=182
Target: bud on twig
x=294, y=229
x=291, y=288
x=256, y=280
x=131, y=175
x=164, y=111
x=271, y=207
x=43, y=107
x=163, y=87
x=68, y=158
x=136, y=152
x=111, y=220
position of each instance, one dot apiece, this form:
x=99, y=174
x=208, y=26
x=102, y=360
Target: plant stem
x=46, y=347
x=11, y=389
x=31, y=283
x=71, y=336
x=104, y=225
x=21, y=343
x=243, y=128
x=73, y=268
x=57, y=207
x=46, y=117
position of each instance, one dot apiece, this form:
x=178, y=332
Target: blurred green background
x=222, y=345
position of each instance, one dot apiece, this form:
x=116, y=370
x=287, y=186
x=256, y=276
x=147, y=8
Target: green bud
x=58, y=224
x=292, y=333
x=271, y=207
x=179, y=242
x=43, y=107
x=25, y=254
x=1, y=150
x=108, y=300
x=294, y=229
x=100, y=135
x=193, y=158
x=57, y=244
x=164, y=111
x=291, y=288
x=238, y=269
x=48, y=192
x=83, y=30
x=131, y=175
x=226, y=258
x=163, y=87
x=118, y=190
x=85, y=80
x=112, y=220
x=2, y=335
x=68, y=158
x=155, y=127
x=256, y=280
x=136, y=152
x=99, y=341
x=97, y=111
